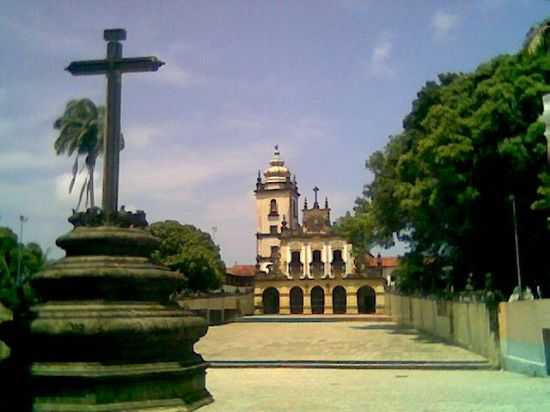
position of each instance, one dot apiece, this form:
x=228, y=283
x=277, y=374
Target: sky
x=327, y=80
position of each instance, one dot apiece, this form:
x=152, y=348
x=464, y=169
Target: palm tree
x=537, y=39
x=81, y=134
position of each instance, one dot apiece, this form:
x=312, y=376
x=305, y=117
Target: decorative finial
x=326, y=202
x=277, y=150
x=316, y=203
x=259, y=179
x=305, y=202
x=284, y=223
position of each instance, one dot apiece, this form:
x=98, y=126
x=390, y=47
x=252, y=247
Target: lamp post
x=513, y=200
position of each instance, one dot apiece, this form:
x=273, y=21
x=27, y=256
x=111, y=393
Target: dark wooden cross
x=113, y=66
x=316, y=203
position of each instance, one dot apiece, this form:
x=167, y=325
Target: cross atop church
x=112, y=67
x=316, y=203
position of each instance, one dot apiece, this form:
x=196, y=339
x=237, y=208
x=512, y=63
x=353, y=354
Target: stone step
x=313, y=318
x=354, y=364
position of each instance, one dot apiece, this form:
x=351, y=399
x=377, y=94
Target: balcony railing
x=338, y=268
x=295, y=268
x=317, y=269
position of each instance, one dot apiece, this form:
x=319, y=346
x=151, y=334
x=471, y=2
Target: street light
x=513, y=199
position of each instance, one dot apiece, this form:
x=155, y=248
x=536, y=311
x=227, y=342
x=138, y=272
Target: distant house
x=240, y=276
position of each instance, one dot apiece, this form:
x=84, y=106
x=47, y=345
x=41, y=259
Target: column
x=286, y=269
x=352, y=301
x=303, y=260
x=284, y=301
x=307, y=301
x=329, y=259
x=326, y=261
x=347, y=259
x=258, y=304
x=309, y=260
x=328, y=301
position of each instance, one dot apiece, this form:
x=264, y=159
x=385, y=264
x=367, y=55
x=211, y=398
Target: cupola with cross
x=316, y=219
x=276, y=201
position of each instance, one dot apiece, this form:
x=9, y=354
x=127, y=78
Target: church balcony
x=295, y=269
x=317, y=269
x=338, y=268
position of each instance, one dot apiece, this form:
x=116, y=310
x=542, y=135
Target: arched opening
x=270, y=301
x=366, y=300
x=337, y=265
x=295, y=267
x=317, y=300
x=316, y=267
x=296, y=300
x=273, y=208
x=339, y=301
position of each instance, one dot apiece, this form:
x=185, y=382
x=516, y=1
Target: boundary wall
x=525, y=336
x=220, y=308
x=470, y=325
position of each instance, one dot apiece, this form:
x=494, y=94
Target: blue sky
x=327, y=80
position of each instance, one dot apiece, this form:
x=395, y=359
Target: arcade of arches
x=342, y=297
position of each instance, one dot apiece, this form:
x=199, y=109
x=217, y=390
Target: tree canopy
x=190, y=251
x=443, y=185
x=33, y=259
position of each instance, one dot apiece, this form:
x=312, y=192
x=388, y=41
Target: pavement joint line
x=399, y=366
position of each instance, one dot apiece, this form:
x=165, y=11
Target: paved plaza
x=308, y=390
x=359, y=341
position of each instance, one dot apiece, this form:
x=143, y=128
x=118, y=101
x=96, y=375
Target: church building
x=307, y=267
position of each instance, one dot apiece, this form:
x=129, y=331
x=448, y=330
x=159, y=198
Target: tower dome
x=277, y=171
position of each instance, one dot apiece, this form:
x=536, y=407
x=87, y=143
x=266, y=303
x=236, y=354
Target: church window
x=273, y=211
x=316, y=256
x=273, y=229
x=337, y=256
x=295, y=257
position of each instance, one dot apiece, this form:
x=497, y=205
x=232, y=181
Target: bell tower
x=276, y=201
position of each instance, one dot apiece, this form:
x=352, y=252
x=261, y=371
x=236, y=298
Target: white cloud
x=141, y=137
x=24, y=161
x=379, y=62
x=174, y=75
x=443, y=23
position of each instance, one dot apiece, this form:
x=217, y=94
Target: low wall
x=222, y=308
x=525, y=336
x=470, y=325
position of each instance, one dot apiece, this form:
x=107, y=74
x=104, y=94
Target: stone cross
x=316, y=203
x=113, y=66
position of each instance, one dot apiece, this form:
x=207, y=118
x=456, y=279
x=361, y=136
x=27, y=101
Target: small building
x=239, y=277
x=307, y=268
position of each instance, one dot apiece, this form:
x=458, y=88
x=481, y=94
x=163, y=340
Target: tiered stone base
x=105, y=337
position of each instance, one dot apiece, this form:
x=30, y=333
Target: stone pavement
x=346, y=341
x=307, y=390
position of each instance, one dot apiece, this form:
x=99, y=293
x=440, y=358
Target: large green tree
x=538, y=39
x=190, y=251
x=15, y=257
x=444, y=184
x=81, y=135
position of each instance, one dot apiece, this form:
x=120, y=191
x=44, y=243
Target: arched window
x=296, y=300
x=273, y=208
x=366, y=300
x=270, y=301
x=339, y=300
